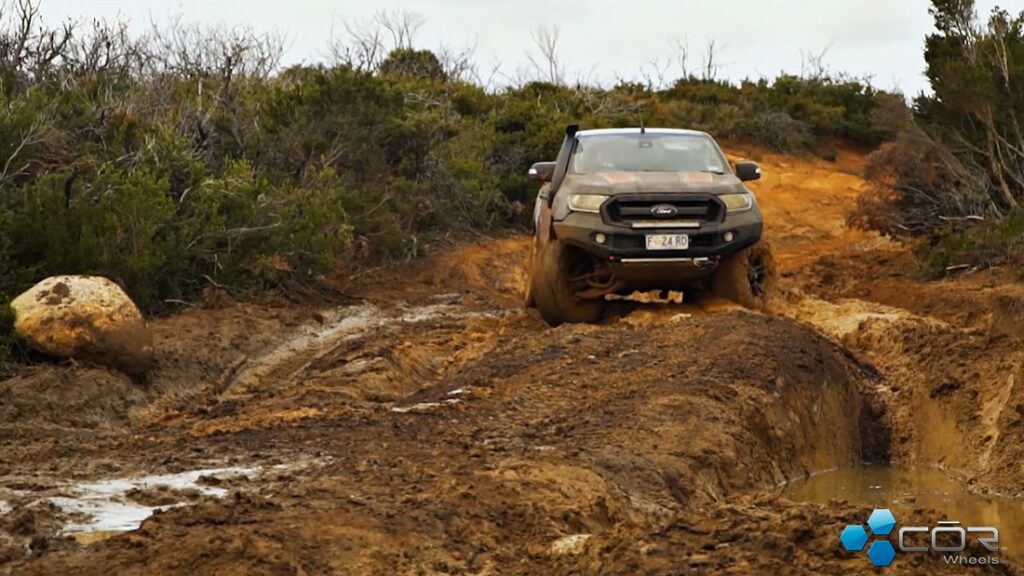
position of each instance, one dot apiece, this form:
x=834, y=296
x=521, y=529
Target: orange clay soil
x=436, y=427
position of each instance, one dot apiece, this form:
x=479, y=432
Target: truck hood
x=611, y=183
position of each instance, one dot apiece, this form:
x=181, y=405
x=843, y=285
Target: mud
x=904, y=490
x=433, y=426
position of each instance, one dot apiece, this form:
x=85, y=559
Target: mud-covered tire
x=551, y=292
x=748, y=277
x=531, y=265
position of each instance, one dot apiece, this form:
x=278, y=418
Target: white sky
x=601, y=39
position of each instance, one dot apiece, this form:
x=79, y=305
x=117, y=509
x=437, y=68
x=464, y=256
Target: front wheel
x=747, y=277
x=555, y=270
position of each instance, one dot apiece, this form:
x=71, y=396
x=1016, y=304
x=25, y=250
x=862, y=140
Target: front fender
x=542, y=216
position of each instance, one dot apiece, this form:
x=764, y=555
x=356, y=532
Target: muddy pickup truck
x=623, y=210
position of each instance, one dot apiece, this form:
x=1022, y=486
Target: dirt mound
x=52, y=400
x=198, y=352
x=541, y=435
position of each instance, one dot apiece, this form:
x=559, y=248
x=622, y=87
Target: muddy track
x=438, y=428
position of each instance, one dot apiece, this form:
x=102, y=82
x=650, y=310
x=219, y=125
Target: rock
x=570, y=545
x=86, y=318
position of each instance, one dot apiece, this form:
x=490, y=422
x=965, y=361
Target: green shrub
x=777, y=131
x=977, y=245
x=957, y=156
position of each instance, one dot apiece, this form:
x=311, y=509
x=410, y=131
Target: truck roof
x=614, y=131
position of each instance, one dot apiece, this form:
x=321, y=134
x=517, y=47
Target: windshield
x=646, y=153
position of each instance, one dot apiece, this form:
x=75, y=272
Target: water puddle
x=906, y=489
x=106, y=508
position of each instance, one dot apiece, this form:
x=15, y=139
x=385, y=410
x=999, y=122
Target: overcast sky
x=600, y=39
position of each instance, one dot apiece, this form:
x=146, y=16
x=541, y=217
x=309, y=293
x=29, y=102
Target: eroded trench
x=939, y=420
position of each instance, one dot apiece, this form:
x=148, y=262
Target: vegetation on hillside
x=189, y=158
x=953, y=178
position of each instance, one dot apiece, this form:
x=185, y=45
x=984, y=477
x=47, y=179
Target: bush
x=777, y=131
x=975, y=245
x=960, y=157
x=7, y=342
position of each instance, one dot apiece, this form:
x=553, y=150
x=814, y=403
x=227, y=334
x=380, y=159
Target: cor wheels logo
x=855, y=537
x=948, y=539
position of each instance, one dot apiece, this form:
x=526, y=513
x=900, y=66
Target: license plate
x=668, y=242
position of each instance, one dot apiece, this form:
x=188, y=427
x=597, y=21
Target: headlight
x=586, y=202
x=737, y=202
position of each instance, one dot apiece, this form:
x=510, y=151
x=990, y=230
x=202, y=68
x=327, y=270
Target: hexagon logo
x=881, y=553
x=881, y=522
x=854, y=538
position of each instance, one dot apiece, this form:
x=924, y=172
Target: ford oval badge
x=664, y=211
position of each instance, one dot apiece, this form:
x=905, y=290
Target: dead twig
x=215, y=283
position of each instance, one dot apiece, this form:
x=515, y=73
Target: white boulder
x=87, y=318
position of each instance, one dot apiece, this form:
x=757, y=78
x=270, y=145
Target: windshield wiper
x=714, y=170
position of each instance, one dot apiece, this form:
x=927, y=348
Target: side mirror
x=542, y=171
x=747, y=171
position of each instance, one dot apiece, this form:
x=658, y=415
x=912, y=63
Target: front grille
x=686, y=210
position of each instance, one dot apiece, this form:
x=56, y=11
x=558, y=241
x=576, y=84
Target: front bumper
x=627, y=246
